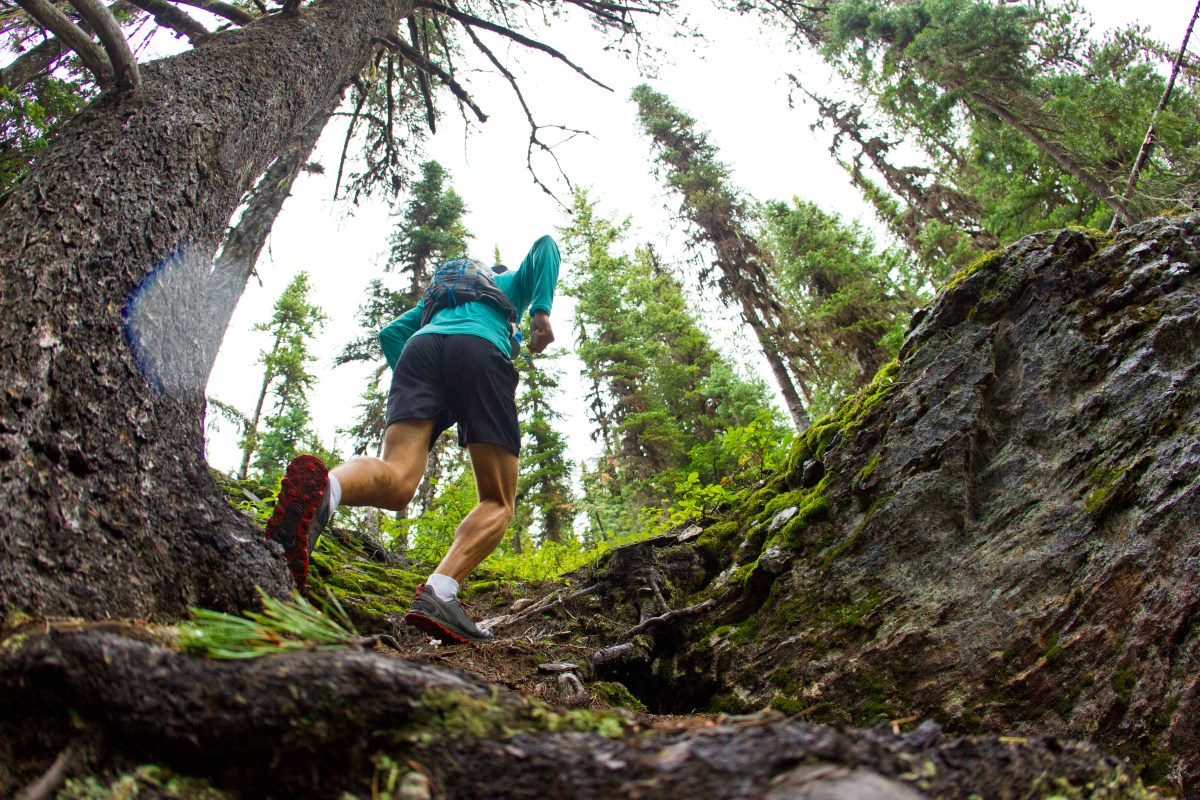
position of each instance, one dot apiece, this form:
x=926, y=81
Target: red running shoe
x=301, y=513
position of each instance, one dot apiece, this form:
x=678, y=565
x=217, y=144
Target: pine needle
x=281, y=627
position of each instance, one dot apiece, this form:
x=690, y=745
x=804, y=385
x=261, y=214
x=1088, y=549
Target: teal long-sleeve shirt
x=530, y=287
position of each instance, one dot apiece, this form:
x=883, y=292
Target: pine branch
x=58, y=23
x=533, y=44
x=32, y=63
x=410, y=53
x=174, y=18
x=124, y=65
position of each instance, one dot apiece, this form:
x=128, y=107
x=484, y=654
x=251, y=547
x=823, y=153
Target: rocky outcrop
x=1000, y=534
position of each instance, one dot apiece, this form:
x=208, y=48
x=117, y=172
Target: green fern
x=281, y=627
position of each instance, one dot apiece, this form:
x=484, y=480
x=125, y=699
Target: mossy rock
x=375, y=596
x=614, y=695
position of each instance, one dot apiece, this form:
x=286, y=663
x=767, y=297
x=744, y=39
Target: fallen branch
x=1151, y=133
x=45, y=786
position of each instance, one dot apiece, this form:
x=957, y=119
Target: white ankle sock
x=335, y=494
x=445, y=587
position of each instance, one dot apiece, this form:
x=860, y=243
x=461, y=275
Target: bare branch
x=422, y=77
x=224, y=10
x=533, y=44
x=534, y=127
x=174, y=18
x=1151, y=133
x=58, y=23
x=109, y=32
x=362, y=98
x=418, y=60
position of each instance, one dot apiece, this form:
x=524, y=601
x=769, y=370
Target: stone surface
x=1011, y=537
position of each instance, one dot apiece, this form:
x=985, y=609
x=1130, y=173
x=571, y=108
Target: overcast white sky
x=734, y=83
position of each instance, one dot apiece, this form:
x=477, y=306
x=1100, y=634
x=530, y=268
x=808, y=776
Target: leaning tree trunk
x=105, y=248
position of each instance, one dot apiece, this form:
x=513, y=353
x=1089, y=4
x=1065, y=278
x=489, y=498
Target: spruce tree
x=544, y=493
x=286, y=381
x=658, y=387
x=1023, y=119
x=720, y=220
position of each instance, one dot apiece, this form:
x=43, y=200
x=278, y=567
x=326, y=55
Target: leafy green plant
x=281, y=627
x=545, y=562
x=743, y=454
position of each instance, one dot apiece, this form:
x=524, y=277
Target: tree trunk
x=106, y=247
x=245, y=242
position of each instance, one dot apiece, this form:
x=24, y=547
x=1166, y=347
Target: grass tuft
x=281, y=627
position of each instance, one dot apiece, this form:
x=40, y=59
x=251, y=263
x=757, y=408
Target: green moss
x=787, y=705
x=1094, y=235
x=1066, y=703
x=1108, y=783
x=784, y=678
x=814, y=508
x=1123, y=683
x=615, y=695
x=720, y=540
x=373, y=594
x=727, y=704
x=876, y=698
x=985, y=261
x=460, y=715
x=1107, y=486
x=153, y=779
x=851, y=616
x=1053, y=650
x=845, y=420
x=866, y=471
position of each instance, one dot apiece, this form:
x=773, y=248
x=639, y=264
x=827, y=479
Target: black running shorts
x=459, y=378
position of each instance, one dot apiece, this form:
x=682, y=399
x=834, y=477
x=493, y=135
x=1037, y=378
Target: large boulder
x=999, y=534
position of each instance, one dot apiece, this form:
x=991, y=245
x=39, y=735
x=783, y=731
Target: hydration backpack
x=465, y=280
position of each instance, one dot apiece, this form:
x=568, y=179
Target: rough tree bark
x=106, y=248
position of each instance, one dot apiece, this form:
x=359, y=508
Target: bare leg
x=480, y=531
x=389, y=482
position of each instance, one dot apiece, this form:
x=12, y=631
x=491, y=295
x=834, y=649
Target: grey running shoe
x=443, y=619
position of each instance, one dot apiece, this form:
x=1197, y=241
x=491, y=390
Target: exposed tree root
x=317, y=724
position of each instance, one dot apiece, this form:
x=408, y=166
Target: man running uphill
x=452, y=363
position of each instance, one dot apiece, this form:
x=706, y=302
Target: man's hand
x=540, y=332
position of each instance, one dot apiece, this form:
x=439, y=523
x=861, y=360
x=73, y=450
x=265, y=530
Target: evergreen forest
x=883, y=486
